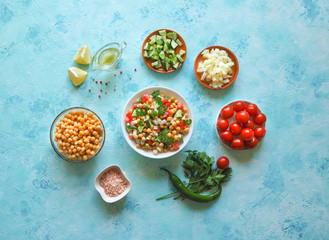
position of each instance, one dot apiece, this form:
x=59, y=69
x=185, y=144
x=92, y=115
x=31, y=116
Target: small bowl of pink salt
x=112, y=184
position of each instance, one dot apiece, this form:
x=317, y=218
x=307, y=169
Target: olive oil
x=108, y=56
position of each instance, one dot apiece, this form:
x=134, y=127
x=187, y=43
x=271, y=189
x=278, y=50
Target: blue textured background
x=278, y=191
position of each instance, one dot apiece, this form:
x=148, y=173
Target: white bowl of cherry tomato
x=240, y=125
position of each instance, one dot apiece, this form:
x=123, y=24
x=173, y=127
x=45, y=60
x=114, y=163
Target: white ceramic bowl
x=134, y=98
x=100, y=189
x=231, y=120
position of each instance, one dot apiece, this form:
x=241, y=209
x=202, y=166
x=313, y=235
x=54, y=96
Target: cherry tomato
x=145, y=98
x=247, y=134
x=242, y=117
x=249, y=124
x=227, y=112
x=180, y=106
x=176, y=146
x=252, y=143
x=237, y=143
x=222, y=162
x=226, y=136
x=239, y=106
x=222, y=124
x=260, y=119
x=129, y=117
x=235, y=128
x=259, y=132
x=135, y=105
x=252, y=109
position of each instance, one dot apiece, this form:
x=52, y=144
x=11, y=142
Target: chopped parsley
x=153, y=114
x=129, y=127
x=162, y=137
x=140, y=126
x=139, y=112
x=156, y=93
x=188, y=121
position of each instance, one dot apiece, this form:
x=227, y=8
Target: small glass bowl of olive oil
x=107, y=58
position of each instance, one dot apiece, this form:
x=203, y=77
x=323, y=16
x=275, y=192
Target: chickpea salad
x=157, y=123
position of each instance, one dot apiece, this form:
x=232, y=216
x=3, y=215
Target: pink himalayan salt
x=113, y=183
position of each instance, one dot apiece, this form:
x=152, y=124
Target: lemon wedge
x=83, y=55
x=77, y=75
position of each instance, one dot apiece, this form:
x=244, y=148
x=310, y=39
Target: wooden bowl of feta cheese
x=216, y=67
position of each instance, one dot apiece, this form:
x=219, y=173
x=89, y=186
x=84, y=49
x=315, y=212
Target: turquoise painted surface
x=278, y=191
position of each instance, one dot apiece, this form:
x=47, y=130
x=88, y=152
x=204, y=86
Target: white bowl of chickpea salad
x=77, y=134
x=157, y=122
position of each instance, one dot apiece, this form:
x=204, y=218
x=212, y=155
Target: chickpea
x=169, y=135
x=131, y=110
x=140, y=135
x=178, y=129
x=176, y=138
x=173, y=124
x=148, y=130
x=143, y=139
x=169, y=119
x=135, y=137
x=174, y=132
x=138, y=146
x=187, y=130
x=85, y=158
x=177, y=122
x=161, y=145
x=186, y=115
x=171, y=127
x=172, y=98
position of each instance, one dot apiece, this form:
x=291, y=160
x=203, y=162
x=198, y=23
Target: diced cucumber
x=151, y=53
x=158, y=37
x=159, y=65
x=179, y=58
x=152, y=41
x=155, y=57
x=155, y=63
x=179, y=42
x=181, y=52
x=162, y=55
x=172, y=35
x=173, y=44
x=166, y=66
x=160, y=42
x=153, y=37
x=148, y=123
x=146, y=54
x=171, y=52
x=165, y=47
x=179, y=114
x=147, y=46
x=175, y=65
x=163, y=32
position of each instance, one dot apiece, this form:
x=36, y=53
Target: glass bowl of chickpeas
x=77, y=134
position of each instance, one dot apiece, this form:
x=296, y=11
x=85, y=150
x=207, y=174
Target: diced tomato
x=180, y=106
x=182, y=125
x=129, y=117
x=176, y=146
x=164, y=101
x=135, y=105
x=145, y=98
x=150, y=142
x=168, y=105
x=165, y=115
x=157, y=130
x=131, y=137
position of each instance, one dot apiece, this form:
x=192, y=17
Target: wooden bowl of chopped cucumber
x=164, y=51
x=216, y=67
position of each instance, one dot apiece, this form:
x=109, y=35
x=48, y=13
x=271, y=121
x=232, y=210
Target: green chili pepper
x=188, y=193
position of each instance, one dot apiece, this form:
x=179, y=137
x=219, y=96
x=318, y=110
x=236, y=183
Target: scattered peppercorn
x=93, y=79
x=130, y=78
x=105, y=92
x=89, y=90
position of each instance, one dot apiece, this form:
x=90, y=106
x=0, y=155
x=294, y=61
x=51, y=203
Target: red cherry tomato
x=252, y=109
x=222, y=124
x=180, y=106
x=226, y=136
x=237, y=143
x=222, y=162
x=252, y=143
x=249, y=124
x=227, y=112
x=260, y=119
x=129, y=117
x=259, y=132
x=239, y=106
x=235, y=128
x=247, y=134
x=176, y=146
x=145, y=98
x=242, y=117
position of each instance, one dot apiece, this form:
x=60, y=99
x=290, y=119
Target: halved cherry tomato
x=135, y=105
x=239, y=106
x=249, y=124
x=252, y=143
x=176, y=146
x=180, y=105
x=259, y=132
x=247, y=134
x=242, y=117
x=227, y=112
x=222, y=124
x=182, y=125
x=222, y=162
x=260, y=119
x=252, y=109
x=237, y=143
x=235, y=128
x=129, y=117
x=226, y=136
x=145, y=98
